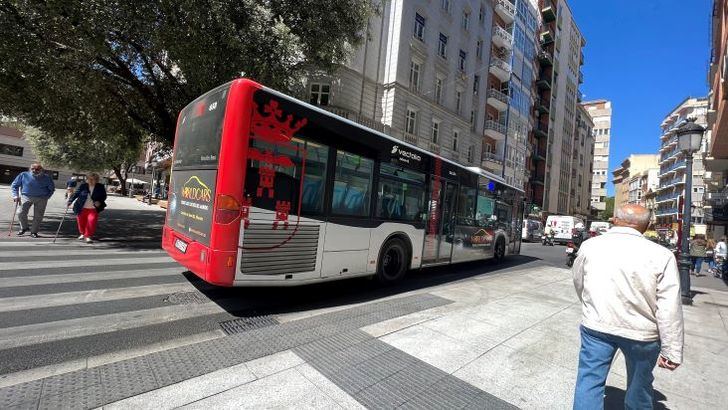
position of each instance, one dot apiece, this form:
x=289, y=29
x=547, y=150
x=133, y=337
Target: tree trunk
x=122, y=179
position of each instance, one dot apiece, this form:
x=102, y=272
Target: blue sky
x=645, y=56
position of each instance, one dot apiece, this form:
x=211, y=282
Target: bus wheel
x=500, y=250
x=392, y=261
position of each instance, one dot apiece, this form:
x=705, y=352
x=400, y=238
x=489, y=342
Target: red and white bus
x=269, y=190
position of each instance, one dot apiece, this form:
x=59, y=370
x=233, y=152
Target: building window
x=458, y=101
x=438, y=90
x=455, y=136
x=476, y=84
x=461, y=60
x=442, y=46
x=410, y=126
x=470, y=154
x=472, y=118
x=320, y=94
x=466, y=20
x=435, y=131
x=479, y=49
x=414, y=78
x=481, y=14
x=12, y=150
x=419, y=27
x=445, y=4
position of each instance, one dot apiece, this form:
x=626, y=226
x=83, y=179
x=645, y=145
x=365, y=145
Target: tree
x=116, y=152
x=95, y=69
x=608, y=211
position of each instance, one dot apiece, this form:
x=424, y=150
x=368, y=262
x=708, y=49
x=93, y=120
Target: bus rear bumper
x=213, y=266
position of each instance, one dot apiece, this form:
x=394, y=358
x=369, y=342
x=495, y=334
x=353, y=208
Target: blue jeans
x=595, y=359
x=698, y=263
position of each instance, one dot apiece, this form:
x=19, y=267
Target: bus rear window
x=199, y=131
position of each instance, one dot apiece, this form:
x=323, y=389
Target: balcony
x=669, y=143
x=548, y=12
x=506, y=10
x=666, y=211
x=357, y=118
x=500, y=68
x=547, y=37
x=411, y=138
x=667, y=197
x=537, y=178
x=497, y=99
x=495, y=129
x=541, y=130
x=433, y=147
x=502, y=38
x=672, y=168
x=545, y=58
x=544, y=82
x=542, y=105
x=539, y=154
x=492, y=162
x=667, y=155
x=581, y=77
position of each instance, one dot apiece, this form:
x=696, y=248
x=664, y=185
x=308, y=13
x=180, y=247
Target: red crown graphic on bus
x=272, y=127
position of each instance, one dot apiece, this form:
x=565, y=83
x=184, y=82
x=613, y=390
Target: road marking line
x=5, y=267
x=87, y=277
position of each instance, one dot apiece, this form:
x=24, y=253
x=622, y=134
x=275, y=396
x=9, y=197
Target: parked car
x=532, y=230
x=563, y=226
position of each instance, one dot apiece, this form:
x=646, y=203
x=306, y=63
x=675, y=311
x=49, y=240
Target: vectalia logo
x=406, y=154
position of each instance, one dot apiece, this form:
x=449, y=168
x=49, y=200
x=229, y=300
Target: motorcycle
x=571, y=251
x=548, y=239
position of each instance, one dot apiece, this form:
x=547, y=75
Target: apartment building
x=673, y=166
x=715, y=200
x=560, y=60
x=422, y=76
x=16, y=155
x=601, y=112
x=641, y=184
x=581, y=165
x=628, y=171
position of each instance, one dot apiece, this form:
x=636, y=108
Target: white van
x=563, y=227
x=532, y=230
x=600, y=226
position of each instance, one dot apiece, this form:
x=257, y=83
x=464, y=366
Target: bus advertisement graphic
x=191, y=203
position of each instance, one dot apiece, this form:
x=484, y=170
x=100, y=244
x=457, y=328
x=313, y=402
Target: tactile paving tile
x=68, y=382
x=127, y=378
x=86, y=398
x=20, y=393
x=245, y=324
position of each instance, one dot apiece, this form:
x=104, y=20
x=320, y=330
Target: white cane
x=12, y=221
x=60, y=224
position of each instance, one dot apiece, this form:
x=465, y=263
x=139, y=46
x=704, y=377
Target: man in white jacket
x=630, y=293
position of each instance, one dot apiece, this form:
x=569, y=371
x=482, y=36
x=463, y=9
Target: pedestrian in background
x=721, y=254
x=698, y=252
x=629, y=289
x=71, y=186
x=90, y=199
x=710, y=254
x=32, y=188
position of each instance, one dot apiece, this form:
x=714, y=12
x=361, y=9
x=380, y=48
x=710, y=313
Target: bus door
x=440, y=229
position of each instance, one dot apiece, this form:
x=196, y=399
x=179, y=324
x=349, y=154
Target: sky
x=646, y=56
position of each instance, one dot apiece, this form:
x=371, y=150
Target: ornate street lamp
x=689, y=139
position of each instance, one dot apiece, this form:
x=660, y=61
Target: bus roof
x=475, y=170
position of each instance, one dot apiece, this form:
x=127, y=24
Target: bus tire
x=499, y=251
x=393, y=261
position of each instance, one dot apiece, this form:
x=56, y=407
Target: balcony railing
x=667, y=155
x=547, y=37
x=665, y=211
x=545, y=58
x=492, y=157
x=542, y=104
x=501, y=37
x=667, y=197
x=548, y=11
x=496, y=126
x=493, y=93
x=541, y=130
x=506, y=10
x=411, y=138
x=676, y=165
x=500, y=68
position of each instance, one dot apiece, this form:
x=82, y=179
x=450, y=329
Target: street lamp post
x=689, y=139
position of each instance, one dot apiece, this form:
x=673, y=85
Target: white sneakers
x=88, y=240
x=80, y=238
x=83, y=238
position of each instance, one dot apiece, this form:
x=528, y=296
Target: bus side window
x=484, y=210
x=352, y=185
x=401, y=194
x=467, y=197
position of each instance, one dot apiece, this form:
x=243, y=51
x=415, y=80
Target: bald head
x=632, y=216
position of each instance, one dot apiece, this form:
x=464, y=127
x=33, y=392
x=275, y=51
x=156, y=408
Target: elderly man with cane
x=629, y=289
x=32, y=188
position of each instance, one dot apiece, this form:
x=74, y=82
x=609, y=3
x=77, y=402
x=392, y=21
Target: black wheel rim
x=499, y=251
x=392, y=262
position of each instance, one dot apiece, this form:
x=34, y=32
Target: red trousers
x=87, y=220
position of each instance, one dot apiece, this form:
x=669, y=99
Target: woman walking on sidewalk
x=90, y=199
x=698, y=252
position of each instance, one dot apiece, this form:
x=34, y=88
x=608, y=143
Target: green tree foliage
x=92, y=69
x=608, y=211
x=116, y=152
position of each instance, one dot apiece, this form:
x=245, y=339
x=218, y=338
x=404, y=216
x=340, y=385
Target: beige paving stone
x=393, y=325
x=557, y=349
x=330, y=389
x=265, y=366
x=444, y=352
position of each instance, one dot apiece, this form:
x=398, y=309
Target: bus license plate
x=569, y=250
x=180, y=245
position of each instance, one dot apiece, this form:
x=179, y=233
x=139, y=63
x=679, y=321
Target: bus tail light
x=227, y=209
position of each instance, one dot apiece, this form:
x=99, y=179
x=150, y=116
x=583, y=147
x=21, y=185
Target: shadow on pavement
x=118, y=228
x=614, y=399
x=247, y=302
